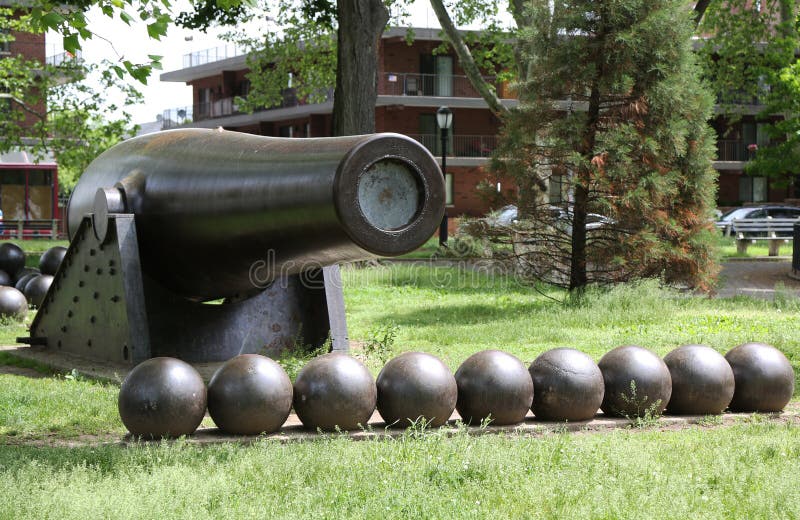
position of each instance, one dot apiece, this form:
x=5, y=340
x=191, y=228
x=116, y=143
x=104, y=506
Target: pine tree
x=615, y=106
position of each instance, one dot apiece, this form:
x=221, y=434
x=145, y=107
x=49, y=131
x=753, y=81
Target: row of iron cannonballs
x=252, y=394
x=21, y=286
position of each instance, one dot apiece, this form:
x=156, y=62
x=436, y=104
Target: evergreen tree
x=614, y=106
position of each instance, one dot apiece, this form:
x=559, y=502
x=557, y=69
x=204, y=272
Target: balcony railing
x=211, y=55
x=64, y=59
x=410, y=84
x=176, y=117
x=735, y=150
x=459, y=145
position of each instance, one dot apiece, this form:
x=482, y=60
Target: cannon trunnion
x=206, y=244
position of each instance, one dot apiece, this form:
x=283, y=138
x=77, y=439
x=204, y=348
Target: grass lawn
x=749, y=470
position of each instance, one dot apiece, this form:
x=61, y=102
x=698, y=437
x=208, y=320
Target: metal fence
x=436, y=85
x=175, y=117
x=211, y=55
x=459, y=145
x=733, y=150
x=64, y=59
x=30, y=228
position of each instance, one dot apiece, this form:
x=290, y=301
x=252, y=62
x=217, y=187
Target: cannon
x=206, y=244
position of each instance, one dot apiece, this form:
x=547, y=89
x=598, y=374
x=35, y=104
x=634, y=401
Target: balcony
x=176, y=117
x=222, y=52
x=64, y=59
x=480, y=146
x=734, y=150
x=411, y=84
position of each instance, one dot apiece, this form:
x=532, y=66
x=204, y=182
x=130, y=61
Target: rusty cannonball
x=5, y=279
x=702, y=381
x=162, y=397
x=496, y=385
x=12, y=303
x=416, y=385
x=36, y=289
x=51, y=259
x=334, y=390
x=764, y=378
x=12, y=258
x=567, y=386
x=637, y=382
x=249, y=394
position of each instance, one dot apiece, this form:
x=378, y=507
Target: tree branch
x=467, y=61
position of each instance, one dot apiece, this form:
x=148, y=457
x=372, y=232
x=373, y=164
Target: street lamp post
x=444, y=118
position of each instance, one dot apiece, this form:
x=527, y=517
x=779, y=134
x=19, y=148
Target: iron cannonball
x=23, y=281
x=162, y=397
x=496, y=385
x=26, y=271
x=12, y=258
x=5, y=279
x=702, y=381
x=764, y=378
x=567, y=386
x=334, y=390
x=36, y=289
x=51, y=259
x=637, y=382
x=12, y=303
x=249, y=394
x=416, y=385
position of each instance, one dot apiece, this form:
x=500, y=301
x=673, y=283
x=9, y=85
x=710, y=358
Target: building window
x=5, y=42
x=286, y=131
x=556, y=189
x=752, y=189
x=203, y=102
x=244, y=89
x=448, y=185
x=437, y=75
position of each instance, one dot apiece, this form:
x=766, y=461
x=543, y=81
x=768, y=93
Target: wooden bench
x=777, y=231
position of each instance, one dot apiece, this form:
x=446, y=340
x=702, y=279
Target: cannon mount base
x=101, y=305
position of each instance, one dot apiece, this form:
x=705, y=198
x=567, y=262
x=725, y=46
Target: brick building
x=28, y=188
x=413, y=83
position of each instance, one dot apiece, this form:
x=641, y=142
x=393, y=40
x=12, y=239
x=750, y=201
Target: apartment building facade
x=413, y=82
x=29, y=204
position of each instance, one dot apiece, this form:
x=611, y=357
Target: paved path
x=757, y=278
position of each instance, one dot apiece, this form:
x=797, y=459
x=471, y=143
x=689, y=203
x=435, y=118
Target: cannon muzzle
x=221, y=214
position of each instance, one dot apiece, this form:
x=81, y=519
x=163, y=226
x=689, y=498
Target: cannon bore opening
x=390, y=194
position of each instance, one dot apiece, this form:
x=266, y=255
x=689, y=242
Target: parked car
x=508, y=215
x=728, y=225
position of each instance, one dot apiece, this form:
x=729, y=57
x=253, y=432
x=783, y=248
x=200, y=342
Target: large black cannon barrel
x=220, y=214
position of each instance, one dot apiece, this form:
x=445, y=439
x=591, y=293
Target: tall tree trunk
x=361, y=23
x=578, y=277
x=466, y=61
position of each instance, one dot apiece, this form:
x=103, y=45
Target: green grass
x=454, y=313
x=748, y=470
x=727, y=247
x=745, y=471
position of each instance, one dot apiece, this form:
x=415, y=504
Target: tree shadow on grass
x=464, y=314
